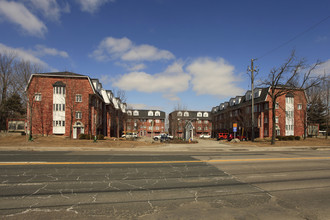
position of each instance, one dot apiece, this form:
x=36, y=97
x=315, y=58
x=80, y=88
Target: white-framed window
x=299, y=106
x=78, y=115
x=199, y=121
x=206, y=122
x=37, y=97
x=157, y=113
x=276, y=119
x=136, y=113
x=157, y=128
x=186, y=114
x=199, y=128
x=199, y=114
x=179, y=114
x=277, y=105
x=150, y=113
x=157, y=120
x=78, y=98
x=129, y=113
x=206, y=114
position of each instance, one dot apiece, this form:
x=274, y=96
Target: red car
x=222, y=136
x=231, y=136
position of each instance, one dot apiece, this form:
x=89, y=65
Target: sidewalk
x=202, y=146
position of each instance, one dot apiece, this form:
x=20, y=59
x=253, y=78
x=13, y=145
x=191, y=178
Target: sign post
x=234, y=129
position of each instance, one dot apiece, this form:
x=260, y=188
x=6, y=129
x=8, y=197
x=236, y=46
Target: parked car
x=222, y=136
x=205, y=136
x=241, y=138
x=163, y=137
x=129, y=135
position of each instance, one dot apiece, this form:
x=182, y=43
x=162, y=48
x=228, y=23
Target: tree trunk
x=274, y=120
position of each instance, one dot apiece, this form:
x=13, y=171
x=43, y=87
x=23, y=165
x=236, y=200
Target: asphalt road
x=224, y=185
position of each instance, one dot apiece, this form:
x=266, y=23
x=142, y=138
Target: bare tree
x=7, y=60
x=293, y=74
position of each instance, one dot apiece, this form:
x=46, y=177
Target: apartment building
x=145, y=122
x=69, y=104
x=290, y=114
x=184, y=124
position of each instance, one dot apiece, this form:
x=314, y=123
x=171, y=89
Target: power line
x=295, y=37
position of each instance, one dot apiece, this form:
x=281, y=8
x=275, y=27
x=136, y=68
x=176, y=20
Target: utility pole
x=252, y=90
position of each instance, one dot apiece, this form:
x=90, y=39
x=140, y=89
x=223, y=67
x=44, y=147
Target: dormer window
x=257, y=93
x=179, y=114
x=199, y=114
x=248, y=95
x=157, y=113
x=129, y=113
x=150, y=113
x=186, y=114
x=136, y=113
x=206, y=114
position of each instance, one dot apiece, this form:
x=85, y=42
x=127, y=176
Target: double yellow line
x=161, y=162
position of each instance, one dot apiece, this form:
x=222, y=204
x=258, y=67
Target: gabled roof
x=59, y=74
x=143, y=113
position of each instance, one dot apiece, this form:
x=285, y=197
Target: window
x=266, y=120
x=150, y=120
x=186, y=114
x=266, y=132
x=78, y=115
x=299, y=106
x=199, y=122
x=78, y=98
x=277, y=105
x=150, y=113
x=276, y=119
x=206, y=114
x=157, y=120
x=157, y=113
x=199, y=114
x=199, y=128
x=37, y=97
x=266, y=106
x=206, y=122
x=179, y=114
x=63, y=107
x=136, y=113
x=129, y=113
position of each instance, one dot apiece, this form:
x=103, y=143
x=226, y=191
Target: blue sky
x=166, y=52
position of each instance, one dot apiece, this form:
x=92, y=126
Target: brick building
x=69, y=104
x=200, y=123
x=290, y=114
x=145, y=122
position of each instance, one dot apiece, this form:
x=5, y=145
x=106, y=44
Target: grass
x=302, y=142
x=14, y=139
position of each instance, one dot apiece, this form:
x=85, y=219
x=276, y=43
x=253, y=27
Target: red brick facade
x=238, y=110
x=145, y=122
x=81, y=108
x=201, y=121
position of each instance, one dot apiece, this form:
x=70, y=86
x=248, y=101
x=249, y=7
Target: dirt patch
x=266, y=143
x=12, y=139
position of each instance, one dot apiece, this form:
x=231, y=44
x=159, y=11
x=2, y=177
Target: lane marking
x=161, y=162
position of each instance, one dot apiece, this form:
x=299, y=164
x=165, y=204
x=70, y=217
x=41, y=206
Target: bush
x=100, y=137
x=297, y=138
x=82, y=136
x=280, y=138
x=290, y=138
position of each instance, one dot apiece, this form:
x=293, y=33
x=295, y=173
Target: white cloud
x=137, y=67
x=22, y=54
x=17, y=13
x=92, y=6
x=33, y=55
x=41, y=50
x=147, y=52
x=142, y=106
x=324, y=68
x=50, y=8
x=124, y=49
x=170, y=82
x=214, y=77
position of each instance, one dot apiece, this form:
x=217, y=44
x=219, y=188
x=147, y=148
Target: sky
x=167, y=53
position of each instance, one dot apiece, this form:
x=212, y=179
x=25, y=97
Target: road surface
x=115, y=185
